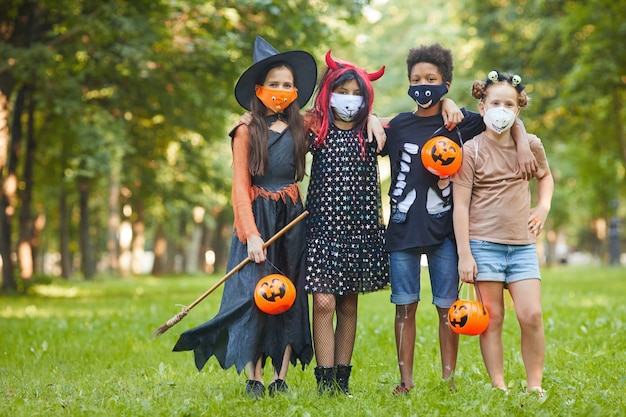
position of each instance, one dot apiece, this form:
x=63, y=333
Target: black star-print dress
x=345, y=229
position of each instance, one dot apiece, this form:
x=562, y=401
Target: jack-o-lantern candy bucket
x=442, y=156
x=468, y=316
x=274, y=294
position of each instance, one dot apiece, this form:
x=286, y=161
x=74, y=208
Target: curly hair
x=480, y=87
x=434, y=54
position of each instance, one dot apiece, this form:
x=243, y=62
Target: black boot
x=278, y=387
x=342, y=375
x=255, y=389
x=325, y=376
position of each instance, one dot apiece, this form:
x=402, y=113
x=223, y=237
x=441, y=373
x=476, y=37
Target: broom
x=178, y=317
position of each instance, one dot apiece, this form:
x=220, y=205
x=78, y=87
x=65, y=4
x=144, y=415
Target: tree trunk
x=64, y=236
x=113, y=249
x=87, y=263
x=205, y=263
x=171, y=258
x=8, y=280
x=160, y=252
x=618, y=110
x=9, y=189
x=221, y=239
x=551, y=239
x=181, y=244
x=139, y=239
x=38, y=226
x=195, y=247
x=26, y=226
x=126, y=238
x=7, y=84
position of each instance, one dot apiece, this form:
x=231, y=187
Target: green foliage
x=76, y=348
x=571, y=58
x=145, y=88
x=387, y=32
x=140, y=93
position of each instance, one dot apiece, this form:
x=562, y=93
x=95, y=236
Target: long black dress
x=241, y=333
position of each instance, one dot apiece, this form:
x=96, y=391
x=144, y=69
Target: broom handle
x=245, y=261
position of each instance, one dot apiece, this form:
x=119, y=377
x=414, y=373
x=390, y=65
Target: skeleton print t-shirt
x=421, y=202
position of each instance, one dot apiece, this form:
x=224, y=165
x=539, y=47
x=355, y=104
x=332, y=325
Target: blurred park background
x=114, y=116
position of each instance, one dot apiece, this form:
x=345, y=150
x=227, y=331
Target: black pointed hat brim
x=305, y=72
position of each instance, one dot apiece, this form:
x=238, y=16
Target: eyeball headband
x=515, y=80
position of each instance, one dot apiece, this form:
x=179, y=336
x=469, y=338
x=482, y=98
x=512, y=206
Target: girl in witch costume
x=268, y=161
x=345, y=228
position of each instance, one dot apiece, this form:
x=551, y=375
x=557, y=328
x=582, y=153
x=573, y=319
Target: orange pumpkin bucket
x=442, y=156
x=467, y=316
x=274, y=294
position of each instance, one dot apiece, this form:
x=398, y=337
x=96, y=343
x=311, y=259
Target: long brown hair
x=259, y=132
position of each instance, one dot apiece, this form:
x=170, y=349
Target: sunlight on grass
x=54, y=291
x=587, y=300
x=86, y=348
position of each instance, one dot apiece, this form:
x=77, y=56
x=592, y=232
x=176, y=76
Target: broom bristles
x=178, y=317
x=171, y=322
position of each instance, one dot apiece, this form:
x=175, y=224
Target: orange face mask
x=276, y=100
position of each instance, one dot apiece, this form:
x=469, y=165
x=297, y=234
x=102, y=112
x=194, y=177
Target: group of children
x=344, y=248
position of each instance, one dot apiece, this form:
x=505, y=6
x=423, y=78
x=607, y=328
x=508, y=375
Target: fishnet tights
x=334, y=344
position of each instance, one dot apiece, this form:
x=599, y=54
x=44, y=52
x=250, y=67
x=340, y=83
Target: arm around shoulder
x=526, y=162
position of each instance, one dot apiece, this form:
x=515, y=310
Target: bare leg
x=405, y=341
x=250, y=370
x=284, y=367
x=448, y=345
x=491, y=338
x=323, y=329
x=345, y=333
x=527, y=297
x=257, y=371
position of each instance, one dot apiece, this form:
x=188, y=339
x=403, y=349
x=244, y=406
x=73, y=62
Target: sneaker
x=401, y=389
x=537, y=390
x=451, y=384
x=277, y=387
x=503, y=390
x=255, y=389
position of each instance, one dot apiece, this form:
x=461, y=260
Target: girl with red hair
x=345, y=228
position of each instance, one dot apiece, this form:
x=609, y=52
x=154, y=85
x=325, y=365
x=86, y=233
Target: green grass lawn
x=87, y=349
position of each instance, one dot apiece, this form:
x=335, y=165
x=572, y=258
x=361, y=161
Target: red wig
x=336, y=74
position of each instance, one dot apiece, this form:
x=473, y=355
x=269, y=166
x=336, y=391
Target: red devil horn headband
x=334, y=65
x=331, y=62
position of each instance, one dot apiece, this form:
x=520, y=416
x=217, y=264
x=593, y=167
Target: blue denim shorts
x=505, y=263
x=405, y=268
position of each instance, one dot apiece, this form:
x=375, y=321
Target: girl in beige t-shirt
x=496, y=227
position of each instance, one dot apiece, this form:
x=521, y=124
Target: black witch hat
x=302, y=63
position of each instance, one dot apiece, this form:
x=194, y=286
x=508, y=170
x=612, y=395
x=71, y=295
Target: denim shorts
x=505, y=263
x=405, y=268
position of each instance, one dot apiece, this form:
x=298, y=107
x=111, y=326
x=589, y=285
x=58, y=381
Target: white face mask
x=499, y=119
x=346, y=106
